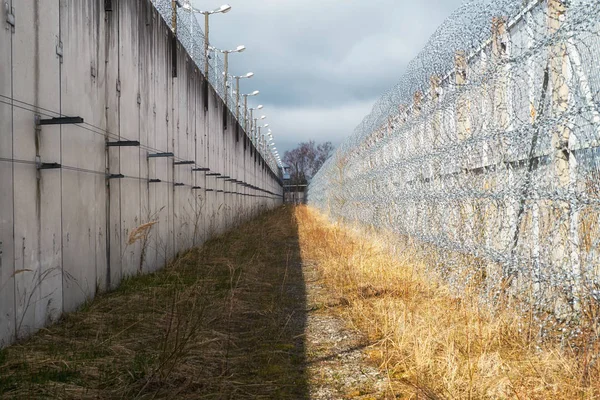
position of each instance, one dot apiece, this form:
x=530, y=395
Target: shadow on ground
x=226, y=321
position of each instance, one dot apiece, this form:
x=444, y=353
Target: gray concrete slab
x=35, y=66
x=82, y=147
x=7, y=269
x=65, y=232
x=129, y=123
x=113, y=154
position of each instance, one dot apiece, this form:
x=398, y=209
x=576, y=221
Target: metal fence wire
x=488, y=150
x=191, y=36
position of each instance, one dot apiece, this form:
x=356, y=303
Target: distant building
x=293, y=193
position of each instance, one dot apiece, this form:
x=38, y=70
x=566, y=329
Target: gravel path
x=337, y=363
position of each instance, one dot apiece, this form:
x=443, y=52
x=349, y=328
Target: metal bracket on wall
x=119, y=87
x=179, y=184
x=174, y=47
x=108, y=5
x=59, y=51
x=10, y=17
x=58, y=121
x=184, y=163
x=123, y=143
x=160, y=155
x=154, y=181
x=193, y=188
x=48, y=166
x=201, y=169
x=116, y=176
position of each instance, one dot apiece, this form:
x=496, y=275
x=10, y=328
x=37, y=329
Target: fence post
x=462, y=106
x=499, y=53
x=416, y=135
x=434, y=87
x=434, y=164
x=566, y=239
x=463, y=132
x=416, y=139
x=535, y=207
x=506, y=213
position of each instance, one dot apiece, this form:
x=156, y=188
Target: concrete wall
x=64, y=232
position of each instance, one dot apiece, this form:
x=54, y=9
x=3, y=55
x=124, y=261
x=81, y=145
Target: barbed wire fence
x=487, y=153
x=191, y=36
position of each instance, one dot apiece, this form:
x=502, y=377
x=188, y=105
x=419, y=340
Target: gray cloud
x=321, y=64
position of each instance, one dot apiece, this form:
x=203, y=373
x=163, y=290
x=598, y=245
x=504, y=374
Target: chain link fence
x=486, y=153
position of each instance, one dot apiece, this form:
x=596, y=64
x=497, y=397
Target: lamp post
x=226, y=53
x=260, y=137
x=225, y=8
x=251, y=117
x=255, y=130
x=237, y=92
x=264, y=117
x=255, y=93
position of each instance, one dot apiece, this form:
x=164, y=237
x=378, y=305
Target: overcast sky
x=320, y=65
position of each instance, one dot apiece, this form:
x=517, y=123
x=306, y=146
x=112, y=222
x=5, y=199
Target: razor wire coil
x=489, y=148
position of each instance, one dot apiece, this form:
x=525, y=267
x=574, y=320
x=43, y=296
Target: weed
x=432, y=343
x=205, y=326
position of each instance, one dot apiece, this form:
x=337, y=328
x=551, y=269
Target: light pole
x=264, y=117
x=226, y=53
x=237, y=92
x=270, y=141
x=255, y=93
x=225, y=8
x=255, y=130
x=251, y=117
x=260, y=137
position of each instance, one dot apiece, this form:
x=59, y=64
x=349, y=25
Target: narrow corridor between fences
x=292, y=305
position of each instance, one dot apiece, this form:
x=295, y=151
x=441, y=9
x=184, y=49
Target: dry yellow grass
x=431, y=344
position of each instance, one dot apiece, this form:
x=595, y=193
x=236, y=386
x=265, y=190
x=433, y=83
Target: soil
x=336, y=355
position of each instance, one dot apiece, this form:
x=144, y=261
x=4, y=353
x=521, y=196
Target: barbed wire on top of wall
x=488, y=149
x=191, y=35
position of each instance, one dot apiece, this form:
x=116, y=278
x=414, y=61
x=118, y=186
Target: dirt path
x=338, y=366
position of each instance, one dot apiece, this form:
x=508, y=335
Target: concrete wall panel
x=112, y=89
x=35, y=66
x=83, y=147
x=7, y=283
x=38, y=281
x=130, y=100
x=146, y=71
x=79, y=238
x=159, y=194
x=184, y=149
x=65, y=231
x=7, y=269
